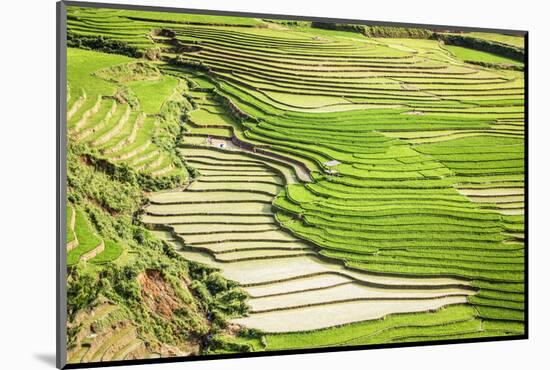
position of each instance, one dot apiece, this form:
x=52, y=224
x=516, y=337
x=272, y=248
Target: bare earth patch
x=158, y=295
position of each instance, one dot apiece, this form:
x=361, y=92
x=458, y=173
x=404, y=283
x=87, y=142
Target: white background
x=27, y=182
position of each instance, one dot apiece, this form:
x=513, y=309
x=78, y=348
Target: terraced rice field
x=106, y=343
x=360, y=190
x=102, y=117
x=283, y=274
x=83, y=244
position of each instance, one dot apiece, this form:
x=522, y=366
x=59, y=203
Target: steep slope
x=338, y=178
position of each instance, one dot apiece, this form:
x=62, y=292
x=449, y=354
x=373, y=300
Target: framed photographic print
x=235, y=185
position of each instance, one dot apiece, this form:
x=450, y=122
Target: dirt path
x=94, y=252
x=301, y=172
x=74, y=243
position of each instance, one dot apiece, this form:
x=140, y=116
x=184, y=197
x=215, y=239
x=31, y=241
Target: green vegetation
x=186, y=18
x=152, y=94
x=356, y=333
x=87, y=240
x=111, y=253
x=132, y=122
x=513, y=50
x=516, y=41
x=115, y=275
x=342, y=184
x=116, y=103
x=377, y=31
x=69, y=229
x=468, y=55
x=101, y=43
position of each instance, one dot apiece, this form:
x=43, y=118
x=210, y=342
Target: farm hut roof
x=332, y=163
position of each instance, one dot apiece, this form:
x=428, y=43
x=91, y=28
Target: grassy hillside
x=129, y=294
x=266, y=185
x=512, y=40
x=466, y=55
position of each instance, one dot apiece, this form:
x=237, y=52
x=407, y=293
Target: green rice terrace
x=240, y=184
